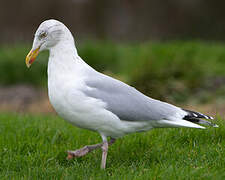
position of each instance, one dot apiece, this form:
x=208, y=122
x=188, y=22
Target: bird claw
x=70, y=155
x=77, y=153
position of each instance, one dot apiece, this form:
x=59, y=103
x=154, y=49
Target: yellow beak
x=32, y=56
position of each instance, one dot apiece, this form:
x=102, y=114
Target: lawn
x=34, y=147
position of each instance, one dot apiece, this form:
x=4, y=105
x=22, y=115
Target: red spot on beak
x=31, y=61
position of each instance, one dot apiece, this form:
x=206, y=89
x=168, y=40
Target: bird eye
x=42, y=35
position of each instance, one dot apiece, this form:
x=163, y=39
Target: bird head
x=48, y=35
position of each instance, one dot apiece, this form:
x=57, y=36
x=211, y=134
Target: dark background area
x=126, y=20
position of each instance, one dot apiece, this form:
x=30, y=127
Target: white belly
x=90, y=113
x=70, y=103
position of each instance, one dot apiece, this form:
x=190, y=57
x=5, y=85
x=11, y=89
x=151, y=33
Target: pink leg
x=83, y=151
x=104, y=154
x=86, y=149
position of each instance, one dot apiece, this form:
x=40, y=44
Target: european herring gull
x=91, y=100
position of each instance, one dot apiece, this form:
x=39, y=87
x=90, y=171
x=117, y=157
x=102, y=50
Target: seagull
x=91, y=100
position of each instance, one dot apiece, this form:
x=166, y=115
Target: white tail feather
x=179, y=123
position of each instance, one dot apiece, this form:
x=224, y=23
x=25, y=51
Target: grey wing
x=125, y=101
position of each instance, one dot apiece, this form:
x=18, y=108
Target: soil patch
x=29, y=99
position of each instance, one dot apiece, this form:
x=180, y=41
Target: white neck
x=64, y=46
x=64, y=59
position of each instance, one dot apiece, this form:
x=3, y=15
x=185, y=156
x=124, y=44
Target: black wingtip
x=197, y=117
x=193, y=114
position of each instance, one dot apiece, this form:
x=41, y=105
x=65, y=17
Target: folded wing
x=128, y=103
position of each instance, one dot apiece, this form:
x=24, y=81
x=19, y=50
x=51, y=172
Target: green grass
x=34, y=147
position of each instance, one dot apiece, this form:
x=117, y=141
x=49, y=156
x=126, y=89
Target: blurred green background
x=171, y=51
x=174, y=71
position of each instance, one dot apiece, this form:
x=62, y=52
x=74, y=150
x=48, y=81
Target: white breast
x=65, y=81
x=64, y=89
